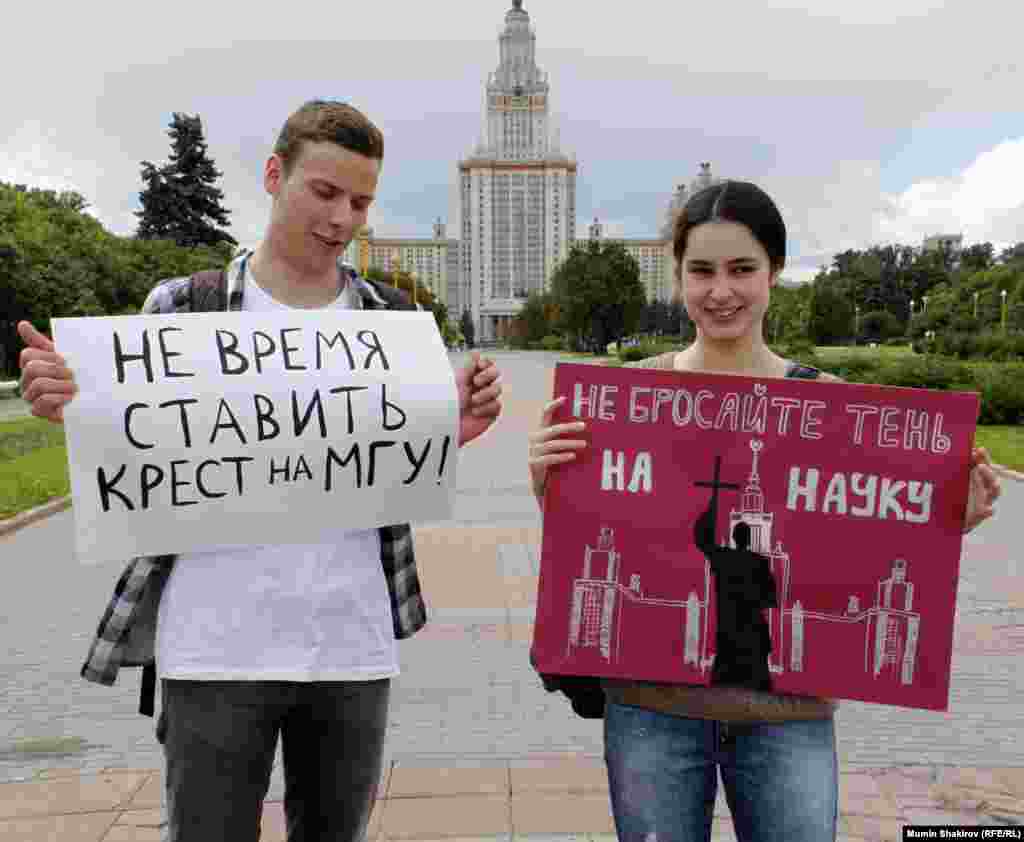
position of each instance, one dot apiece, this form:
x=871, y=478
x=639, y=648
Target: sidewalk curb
x=32, y=515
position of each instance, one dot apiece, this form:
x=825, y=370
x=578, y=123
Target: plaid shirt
x=127, y=631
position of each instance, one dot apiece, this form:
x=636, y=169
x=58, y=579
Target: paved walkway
x=476, y=749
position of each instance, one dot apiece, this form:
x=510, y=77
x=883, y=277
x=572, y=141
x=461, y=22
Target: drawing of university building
x=608, y=619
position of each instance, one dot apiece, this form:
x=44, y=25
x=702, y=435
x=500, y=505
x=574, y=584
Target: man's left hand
x=479, y=386
x=984, y=491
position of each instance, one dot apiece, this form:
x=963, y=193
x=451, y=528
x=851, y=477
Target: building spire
x=753, y=497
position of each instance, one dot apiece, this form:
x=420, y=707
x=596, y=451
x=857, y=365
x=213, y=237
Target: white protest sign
x=196, y=432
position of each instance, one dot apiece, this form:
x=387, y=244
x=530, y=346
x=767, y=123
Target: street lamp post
x=1002, y=294
x=924, y=298
x=975, y=304
x=856, y=322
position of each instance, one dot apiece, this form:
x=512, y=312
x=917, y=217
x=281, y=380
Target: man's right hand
x=47, y=383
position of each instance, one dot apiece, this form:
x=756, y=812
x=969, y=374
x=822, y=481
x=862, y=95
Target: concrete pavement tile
x=722, y=805
x=538, y=812
x=459, y=568
x=860, y=794
x=373, y=829
x=153, y=817
x=434, y=818
x=83, y=828
x=997, y=804
x=519, y=632
x=129, y=833
x=1012, y=780
x=558, y=774
x=907, y=786
x=419, y=781
x=936, y=815
x=150, y=794
x=987, y=780
x=874, y=829
x=273, y=827
x=521, y=591
x=67, y=795
x=58, y=772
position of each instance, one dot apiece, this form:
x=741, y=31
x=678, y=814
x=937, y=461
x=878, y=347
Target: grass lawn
x=1005, y=445
x=33, y=464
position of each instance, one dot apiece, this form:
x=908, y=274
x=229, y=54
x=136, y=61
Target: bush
x=552, y=343
x=856, y=368
x=644, y=350
x=924, y=372
x=989, y=345
x=799, y=350
x=898, y=341
x=1002, y=394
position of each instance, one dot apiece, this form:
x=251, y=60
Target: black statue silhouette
x=744, y=587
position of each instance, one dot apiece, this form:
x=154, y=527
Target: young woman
x=664, y=744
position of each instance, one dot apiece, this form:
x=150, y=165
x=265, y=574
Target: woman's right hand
x=47, y=383
x=548, y=448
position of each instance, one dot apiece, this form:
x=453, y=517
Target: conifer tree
x=180, y=201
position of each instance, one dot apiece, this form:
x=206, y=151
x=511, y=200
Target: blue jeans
x=781, y=779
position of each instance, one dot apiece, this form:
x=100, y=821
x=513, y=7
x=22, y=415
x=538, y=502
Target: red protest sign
x=796, y=536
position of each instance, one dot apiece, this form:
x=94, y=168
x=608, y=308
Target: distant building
x=517, y=189
x=431, y=261
x=654, y=254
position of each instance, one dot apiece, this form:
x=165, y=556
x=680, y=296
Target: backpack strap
x=802, y=372
x=394, y=299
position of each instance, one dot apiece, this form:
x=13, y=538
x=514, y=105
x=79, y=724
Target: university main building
x=517, y=198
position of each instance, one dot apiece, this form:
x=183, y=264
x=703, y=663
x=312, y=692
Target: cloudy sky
x=868, y=121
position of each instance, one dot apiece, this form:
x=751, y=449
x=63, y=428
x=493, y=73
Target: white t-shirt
x=288, y=612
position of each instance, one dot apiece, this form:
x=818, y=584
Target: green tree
x=831, y=316
x=467, y=328
x=535, y=320
x=978, y=258
x=878, y=326
x=180, y=201
x=786, y=319
x=1013, y=254
x=599, y=293
x=58, y=260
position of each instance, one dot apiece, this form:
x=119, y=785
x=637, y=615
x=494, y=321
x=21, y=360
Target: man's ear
x=273, y=175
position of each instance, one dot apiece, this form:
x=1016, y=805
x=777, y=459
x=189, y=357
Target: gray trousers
x=219, y=739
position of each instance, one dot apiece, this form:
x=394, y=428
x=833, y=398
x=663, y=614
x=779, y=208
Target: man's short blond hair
x=321, y=120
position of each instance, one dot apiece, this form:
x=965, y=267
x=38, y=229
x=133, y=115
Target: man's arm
x=47, y=383
x=479, y=388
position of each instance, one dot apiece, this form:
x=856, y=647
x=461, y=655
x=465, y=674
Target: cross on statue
x=716, y=484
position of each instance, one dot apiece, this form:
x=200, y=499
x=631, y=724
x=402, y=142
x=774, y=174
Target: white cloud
x=985, y=202
x=812, y=103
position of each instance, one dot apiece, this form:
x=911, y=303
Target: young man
x=295, y=640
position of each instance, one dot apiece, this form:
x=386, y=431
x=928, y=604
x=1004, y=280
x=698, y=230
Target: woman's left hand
x=985, y=489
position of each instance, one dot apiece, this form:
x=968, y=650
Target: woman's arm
x=548, y=448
